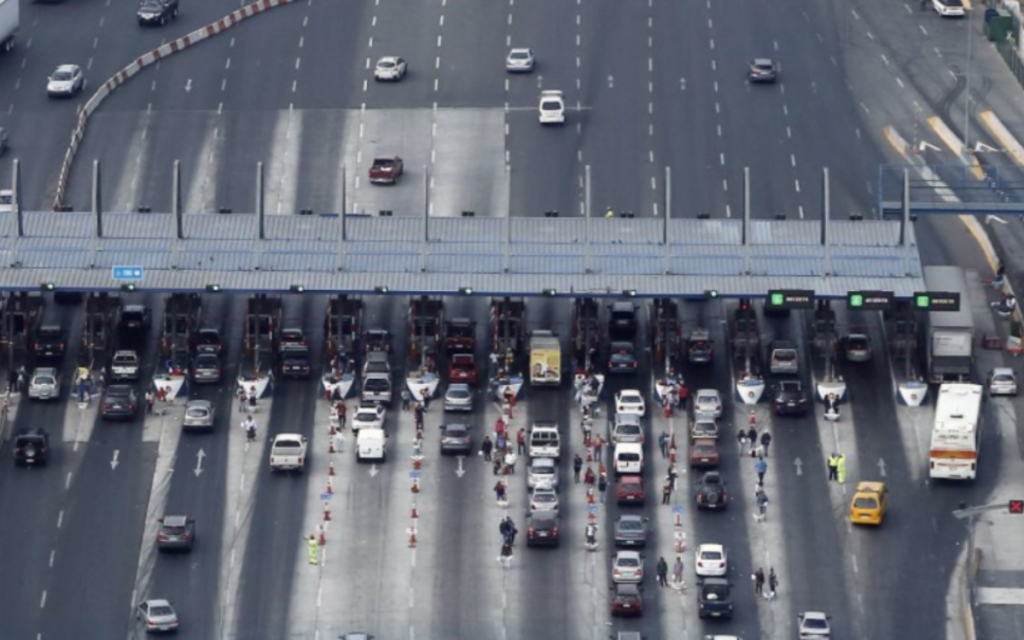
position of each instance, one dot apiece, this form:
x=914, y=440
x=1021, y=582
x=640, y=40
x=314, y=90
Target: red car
x=627, y=600
x=630, y=490
x=386, y=170
x=462, y=369
x=704, y=454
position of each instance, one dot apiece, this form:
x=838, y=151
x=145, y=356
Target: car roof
x=627, y=418
x=67, y=67
x=198, y=402
x=551, y=93
x=134, y=307
x=630, y=477
x=626, y=392
x=45, y=371
x=388, y=59
x=712, y=475
x=711, y=547
x=629, y=446
x=459, y=386
x=624, y=553
x=630, y=517
x=158, y=602
x=521, y=50
x=763, y=61
x=118, y=354
x=120, y=388
x=175, y=521
x=1003, y=371
x=707, y=392
x=627, y=589
x=288, y=436
x=870, y=487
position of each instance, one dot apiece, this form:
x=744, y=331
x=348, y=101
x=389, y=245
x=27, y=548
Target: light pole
x=967, y=90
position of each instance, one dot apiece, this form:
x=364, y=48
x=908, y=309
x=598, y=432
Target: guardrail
x=141, y=63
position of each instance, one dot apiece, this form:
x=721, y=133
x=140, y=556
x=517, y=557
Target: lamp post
x=967, y=89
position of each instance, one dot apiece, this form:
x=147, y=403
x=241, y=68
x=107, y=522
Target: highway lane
x=472, y=55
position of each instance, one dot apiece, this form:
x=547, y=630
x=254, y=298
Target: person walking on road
x=598, y=446
x=761, y=467
x=406, y=398
x=752, y=439
x=773, y=584
x=510, y=462
x=663, y=444
x=485, y=448
x=506, y=556
x=758, y=581
x=677, y=572
x=841, y=469
x=662, y=572
x=766, y=440
x=577, y=466
x=833, y=467
x=753, y=418
x=499, y=491
x=741, y=438
x=762, y=505
x=602, y=485
x=149, y=401
x=666, y=492
x=521, y=441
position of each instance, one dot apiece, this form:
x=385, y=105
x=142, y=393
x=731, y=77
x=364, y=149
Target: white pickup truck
x=288, y=452
x=124, y=366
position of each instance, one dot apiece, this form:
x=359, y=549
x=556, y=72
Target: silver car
x=459, y=397
x=157, y=615
x=45, y=384
x=707, y=404
x=544, y=500
x=628, y=428
x=520, y=60
x=1002, y=381
x=199, y=414
x=542, y=474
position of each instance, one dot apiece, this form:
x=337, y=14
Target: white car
x=1002, y=382
x=707, y=404
x=630, y=401
x=6, y=200
x=542, y=474
x=813, y=625
x=710, y=561
x=544, y=499
x=66, y=80
x=949, y=8
x=45, y=384
x=628, y=567
x=552, y=107
x=628, y=428
x=370, y=416
x=157, y=615
x=390, y=68
x=520, y=60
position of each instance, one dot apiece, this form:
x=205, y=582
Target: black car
x=31, y=447
x=176, y=533
x=763, y=70
x=711, y=492
x=630, y=531
x=622, y=323
x=208, y=341
x=455, y=438
x=714, y=598
x=543, y=529
x=49, y=341
x=206, y=368
x=377, y=340
x=295, y=363
x=622, y=358
x=157, y=12
x=119, y=402
x=135, y=320
x=791, y=399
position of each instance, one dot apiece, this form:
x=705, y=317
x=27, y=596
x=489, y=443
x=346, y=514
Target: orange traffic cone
x=417, y=463
x=590, y=495
x=331, y=446
x=415, y=486
x=327, y=511
x=415, y=511
x=330, y=470
x=412, y=538
x=330, y=485
x=323, y=537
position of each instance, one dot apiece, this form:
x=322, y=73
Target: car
x=157, y=12
x=199, y=414
x=376, y=362
x=630, y=401
x=627, y=567
x=622, y=322
x=288, y=452
x=456, y=438
x=869, y=503
x=65, y=81
x=377, y=340
x=630, y=531
x=551, y=107
x=118, y=402
x=135, y=319
x=714, y=598
x=3, y=148
x=295, y=363
x=763, y=70
x=790, y=398
x=622, y=358
x=704, y=429
x=370, y=415
x=177, y=533
x=542, y=473
x=459, y=335
x=293, y=338
x=856, y=347
x=206, y=368
x=386, y=170
x=949, y=8
x=462, y=368
x=710, y=492
x=6, y=200
x=157, y=615
x=704, y=453
x=543, y=528
x=544, y=499
x=627, y=600
x=44, y=384
x=629, y=489
x=707, y=403
x=1002, y=381
x=544, y=440
x=520, y=60
x=698, y=347
x=390, y=68
x=49, y=342
x=782, y=358
x=458, y=397
x=710, y=560
x=31, y=447
x=125, y=365
x=208, y=340
x=628, y=428
x=813, y=625
x=356, y=635
x=630, y=635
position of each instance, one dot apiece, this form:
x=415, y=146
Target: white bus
x=956, y=434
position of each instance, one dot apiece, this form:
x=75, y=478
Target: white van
x=545, y=441
x=371, y=444
x=628, y=458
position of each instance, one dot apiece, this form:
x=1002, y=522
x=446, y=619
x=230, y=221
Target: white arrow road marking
x=199, y=462
x=991, y=218
x=188, y=85
x=460, y=471
x=881, y=467
x=981, y=147
x=114, y=462
x=374, y=471
x=924, y=146
x=799, y=464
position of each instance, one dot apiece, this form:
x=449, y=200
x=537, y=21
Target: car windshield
x=629, y=430
x=629, y=562
x=630, y=399
x=366, y=416
x=815, y=623
x=519, y=55
x=376, y=384
x=197, y=412
x=125, y=359
x=160, y=611
x=856, y=342
x=630, y=525
x=287, y=444
x=133, y=316
x=707, y=399
x=551, y=105
x=711, y=555
x=455, y=430
x=630, y=485
x=544, y=497
x=61, y=76
x=703, y=449
x=1003, y=377
x=623, y=358
x=716, y=592
x=784, y=355
x=458, y=393
x=543, y=470
x=386, y=64
x=864, y=502
x=118, y=393
x=207, y=361
x=174, y=529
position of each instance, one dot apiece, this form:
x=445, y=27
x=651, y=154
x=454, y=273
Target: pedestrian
x=588, y=431
x=761, y=467
x=762, y=505
x=149, y=401
x=512, y=531
x=602, y=485
x=493, y=359
x=314, y=549
x=485, y=448
x=766, y=440
x=666, y=406
x=499, y=491
x=591, y=535
x=773, y=584
x=499, y=427
x=753, y=418
x=662, y=572
x=841, y=469
x=684, y=394
x=242, y=405
x=752, y=438
x=577, y=466
x=501, y=443
x=758, y=581
x=510, y=462
x=506, y=556
x=663, y=444
x=833, y=467
x=677, y=572
x=521, y=441
x=598, y=446
x=666, y=492
x=505, y=530
x=252, y=399
x=406, y=398
x=417, y=412
x=741, y=438
x=425, y=396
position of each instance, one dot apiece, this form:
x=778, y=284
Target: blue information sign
x=592, y=508
x=677, y=509
x=415, y=475
x=326, y=496
x=126, y=273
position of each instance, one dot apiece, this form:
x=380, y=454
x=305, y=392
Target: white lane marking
x=871, y=35
x=42, y=600
x=53, y=557
x=800, y=209
x=60, y=519
x=437, y=63
x=298, y=62
x=725, y=185
x=67, y=481
x=728, y=211
x=712, y=44
x=227, y=64
x=900, y=82
x=797, y=183
x=719, y=127
x=885, y=60
x=224, y=84
x=792, y=160
x=721, y=159
x=855, y=14
x=923, y=30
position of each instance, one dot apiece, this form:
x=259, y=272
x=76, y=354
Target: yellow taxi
x=869, y=503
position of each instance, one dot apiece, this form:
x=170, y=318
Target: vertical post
x=16, y=196
x=426, y=218
x=261, y=232
x=826, y=236
x=668, y=217
x=508, y=225
x=586, y=222
x=97, y=214
x=905, y=223
x=745, y=234
x=344, y=196
x=179, y=223
x=967, y=89
x=421, y=328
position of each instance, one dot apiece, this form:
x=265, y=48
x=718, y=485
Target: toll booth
x=182, y=316
x=665, y=332
x=21, y=315
x=342, y=326
x=745, y=337
x=586, y=332
x=901, y=328
x=262, y=329
x=508, y=325
x=823, y=329
x=425, y=321
x=99, y=329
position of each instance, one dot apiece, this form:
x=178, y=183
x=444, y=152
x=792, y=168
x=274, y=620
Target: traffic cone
x=415, y=486
x=327, y=511
x=679, y=519
x=334, y=430
x=412, y=538
x=590, y=496
x=330, y=485
x=323, y=536
x=415, y=512
x=331, y=447
x=330, y=471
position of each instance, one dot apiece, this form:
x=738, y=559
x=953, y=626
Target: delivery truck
x=545, y=359
x=950, y=336
x=8, y=23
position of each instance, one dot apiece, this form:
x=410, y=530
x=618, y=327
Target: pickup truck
x=704, y=428
x=386, y=170
x=124, y=366
x=463, y=369
x=288, y=452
